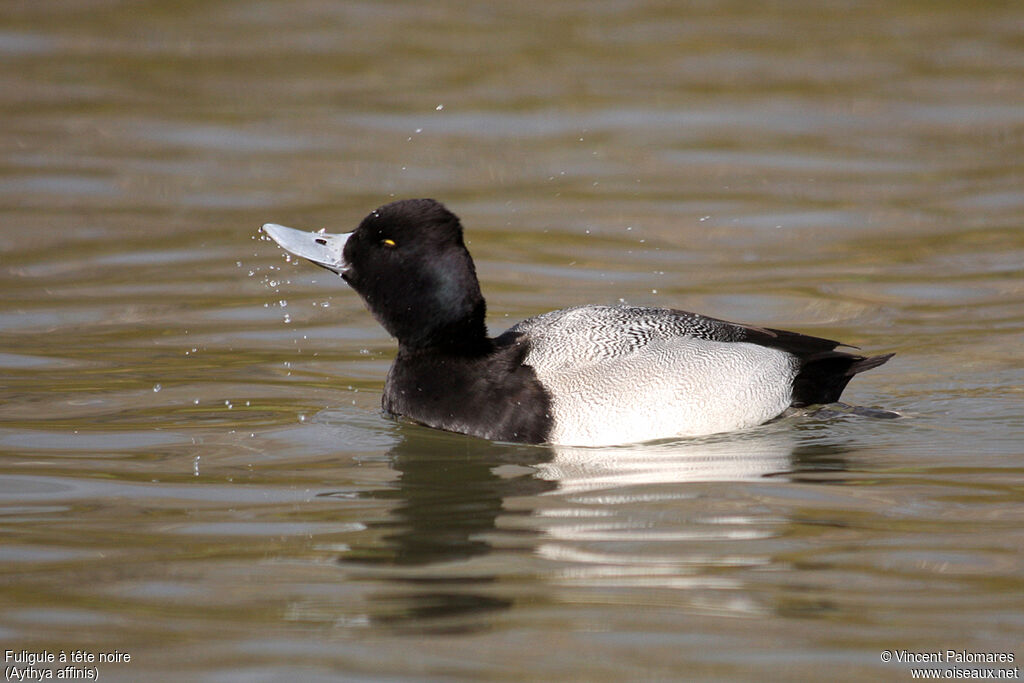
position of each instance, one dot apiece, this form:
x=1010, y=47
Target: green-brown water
x=193, y=467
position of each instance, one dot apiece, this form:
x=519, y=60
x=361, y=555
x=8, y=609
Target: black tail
x=824, y=375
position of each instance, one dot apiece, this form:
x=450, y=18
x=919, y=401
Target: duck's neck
x=464, y=336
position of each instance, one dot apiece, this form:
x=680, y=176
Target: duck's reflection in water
x=473, y=520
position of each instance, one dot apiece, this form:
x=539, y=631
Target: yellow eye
x=388, y=243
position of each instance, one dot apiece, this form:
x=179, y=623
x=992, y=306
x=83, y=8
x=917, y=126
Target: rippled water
x=193, y=466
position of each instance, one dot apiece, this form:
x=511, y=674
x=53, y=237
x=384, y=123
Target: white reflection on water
x=734, y=457
x=634, y=518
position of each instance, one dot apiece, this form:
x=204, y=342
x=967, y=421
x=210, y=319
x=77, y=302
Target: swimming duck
x=583, y=376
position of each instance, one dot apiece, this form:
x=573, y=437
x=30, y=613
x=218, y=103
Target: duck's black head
x=408, y=261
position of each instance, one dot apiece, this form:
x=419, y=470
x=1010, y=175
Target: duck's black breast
x=489, y=393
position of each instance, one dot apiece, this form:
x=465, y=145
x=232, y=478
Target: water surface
x=193, y=466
